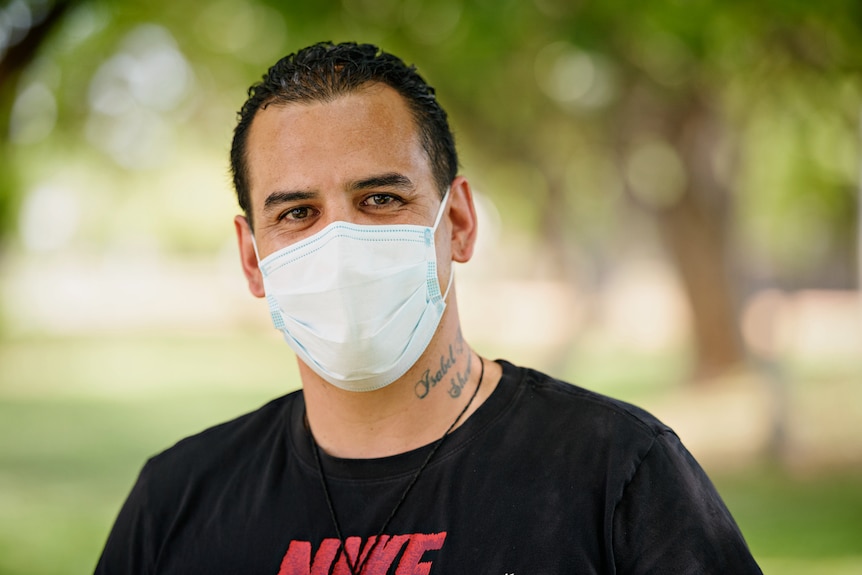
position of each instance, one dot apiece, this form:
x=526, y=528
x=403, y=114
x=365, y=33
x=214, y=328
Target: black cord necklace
x=356, y=567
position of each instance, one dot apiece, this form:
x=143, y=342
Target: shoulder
x=240, y=439
x=567, y=404
x=192, y=477
x=642, y=465
x=580, y=436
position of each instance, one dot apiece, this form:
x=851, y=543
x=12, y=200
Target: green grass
x=799, y=521
x=78, y=417
x=66, y=465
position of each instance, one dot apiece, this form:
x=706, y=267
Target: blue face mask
x=358, y=304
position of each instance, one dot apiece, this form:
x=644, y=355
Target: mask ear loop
x=443, y=204
x=449, y=285
x=254, y=245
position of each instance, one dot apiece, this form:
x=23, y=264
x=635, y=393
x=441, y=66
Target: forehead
x=320, y=144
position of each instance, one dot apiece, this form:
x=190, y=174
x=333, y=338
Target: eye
x=298, y=213
x=379, y=200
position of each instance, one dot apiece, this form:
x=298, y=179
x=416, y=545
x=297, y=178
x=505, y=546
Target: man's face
x=356, y=159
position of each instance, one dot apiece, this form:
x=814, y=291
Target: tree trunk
x=16, y=58
x=694, y=226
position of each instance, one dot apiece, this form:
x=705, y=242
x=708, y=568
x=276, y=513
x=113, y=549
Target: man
x=405, y=452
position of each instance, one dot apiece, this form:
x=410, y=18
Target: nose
x=338, y=209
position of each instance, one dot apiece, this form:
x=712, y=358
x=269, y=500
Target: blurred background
x=669, y=195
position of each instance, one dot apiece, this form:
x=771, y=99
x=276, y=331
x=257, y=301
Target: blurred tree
x=730, y=126
x=24, y=26
x=666, y=91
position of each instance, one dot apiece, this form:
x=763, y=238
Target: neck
x=411, y=412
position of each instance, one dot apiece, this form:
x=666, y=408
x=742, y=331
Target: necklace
x=356, y=567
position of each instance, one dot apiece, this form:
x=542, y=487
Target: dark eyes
x=376, y=200
x=297, y=213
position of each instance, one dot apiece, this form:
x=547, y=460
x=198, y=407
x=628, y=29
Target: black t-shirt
x=545, y=478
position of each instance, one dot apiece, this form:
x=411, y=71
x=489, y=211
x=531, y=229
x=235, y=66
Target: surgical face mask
x=357, y=303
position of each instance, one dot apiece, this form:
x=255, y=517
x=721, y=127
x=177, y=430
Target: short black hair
x=325, y=71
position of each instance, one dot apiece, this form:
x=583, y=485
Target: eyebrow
x=277, y=198
x=390, y=180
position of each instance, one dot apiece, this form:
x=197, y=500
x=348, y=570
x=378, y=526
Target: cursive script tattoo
x=430, y=380
x=459, y=381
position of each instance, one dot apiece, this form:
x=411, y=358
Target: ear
x=462, y=218
x=247, y=256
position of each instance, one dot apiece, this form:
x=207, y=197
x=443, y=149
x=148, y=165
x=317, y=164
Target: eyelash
x=286, y=215
x=391, y=198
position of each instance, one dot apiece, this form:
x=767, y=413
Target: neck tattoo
x=356, y=565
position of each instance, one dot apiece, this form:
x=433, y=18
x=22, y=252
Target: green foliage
x=543, y=83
